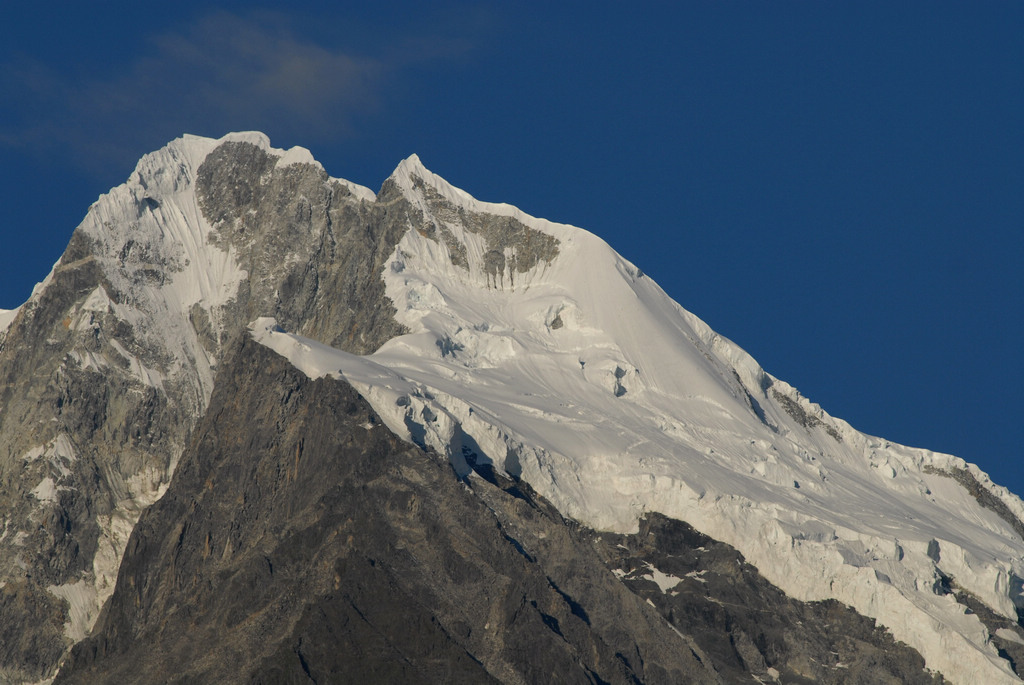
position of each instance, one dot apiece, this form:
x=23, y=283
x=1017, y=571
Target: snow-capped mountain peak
x=498, y=340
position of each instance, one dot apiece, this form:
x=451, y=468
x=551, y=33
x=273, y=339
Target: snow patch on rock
x=46, y=491
x=87, y=595
x=7, y=317
x=298, y=155
x=664, y=581
x=83, y=607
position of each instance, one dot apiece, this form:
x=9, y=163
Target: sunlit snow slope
x=536, y=347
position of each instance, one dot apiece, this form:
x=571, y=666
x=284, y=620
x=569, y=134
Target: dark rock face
x=806, y=420
x=33, y=651
x=745, y=624
x=301, y=542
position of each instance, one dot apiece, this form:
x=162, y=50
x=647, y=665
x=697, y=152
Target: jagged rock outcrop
x=313, y=250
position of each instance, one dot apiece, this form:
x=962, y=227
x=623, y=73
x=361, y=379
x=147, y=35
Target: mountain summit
x=300, y=429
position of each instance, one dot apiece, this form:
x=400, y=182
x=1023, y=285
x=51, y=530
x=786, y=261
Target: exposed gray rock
x=746, y=625
x=806, y=420
x=314, y=252
x=981, y=494
x=29, y=654
x=503, y=235
x=70, y=439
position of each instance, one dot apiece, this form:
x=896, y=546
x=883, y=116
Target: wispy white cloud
x=223, y=72
x=244, y=69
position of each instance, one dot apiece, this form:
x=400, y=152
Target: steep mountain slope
x=512, y=347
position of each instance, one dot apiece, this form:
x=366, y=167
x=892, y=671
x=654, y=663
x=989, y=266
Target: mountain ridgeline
x=262, y=425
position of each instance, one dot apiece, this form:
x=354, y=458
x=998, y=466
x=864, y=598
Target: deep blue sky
x=838, y=187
